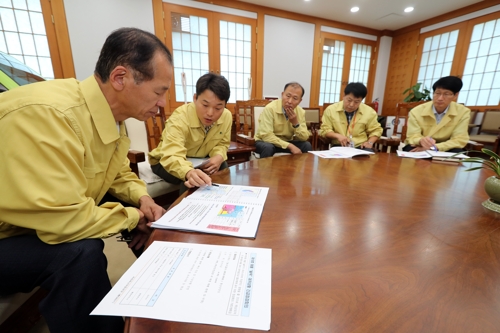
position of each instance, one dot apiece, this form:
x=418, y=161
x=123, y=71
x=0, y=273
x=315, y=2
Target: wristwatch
x=296, y=126
x=371, y=143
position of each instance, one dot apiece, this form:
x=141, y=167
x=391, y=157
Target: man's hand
x=343, y=140
x=150, y=209
x=294, y=149
x=140, y=233
x=367, y=145
x=427, y=143
x=213, y=164
x=292, y=116
x=197, y=178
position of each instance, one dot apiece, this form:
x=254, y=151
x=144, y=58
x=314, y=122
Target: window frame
x=465, y=29
x=346, y=67
x=213, y=44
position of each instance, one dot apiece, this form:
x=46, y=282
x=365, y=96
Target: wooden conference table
x=370, y=244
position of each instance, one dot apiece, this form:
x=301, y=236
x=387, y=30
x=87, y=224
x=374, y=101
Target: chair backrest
x=154, y=128
x=257, y=111
x=402, y=111
x=312, y=115
x=491, y=122
x=246, y=119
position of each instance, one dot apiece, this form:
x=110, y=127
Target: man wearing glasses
x=350, y=123
x=442, y=124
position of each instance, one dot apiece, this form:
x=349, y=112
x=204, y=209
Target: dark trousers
x=74, y=274
x=160, y=171
x=266, y=149
x=453, y=150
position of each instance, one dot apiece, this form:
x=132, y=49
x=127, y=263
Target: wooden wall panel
x=399, y=76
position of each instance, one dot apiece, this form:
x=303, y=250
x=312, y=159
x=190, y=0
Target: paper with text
x=196, y=283
x=430, y=154
x=341, y=152
x=224, y=209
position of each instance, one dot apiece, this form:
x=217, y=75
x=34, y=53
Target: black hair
x=451, y=83
x=295, y=85
x=132, y=48
x=216, y=84
x=357, y=89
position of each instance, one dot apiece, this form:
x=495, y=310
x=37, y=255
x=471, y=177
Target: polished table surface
x=370, y=244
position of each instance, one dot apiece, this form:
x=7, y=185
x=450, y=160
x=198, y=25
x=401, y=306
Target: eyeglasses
x=445, y=95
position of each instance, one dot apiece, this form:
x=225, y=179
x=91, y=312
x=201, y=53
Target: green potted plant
x=417, y=95
x=492, y=184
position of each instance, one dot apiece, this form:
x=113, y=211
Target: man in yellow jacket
x=442, y=124
x=282, y=125
x=351, y=123
x=199, y=129
x=63, y=147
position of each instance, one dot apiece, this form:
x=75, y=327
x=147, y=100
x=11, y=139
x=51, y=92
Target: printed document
x=340, y=152
x=196, y=283
x=430, y=154
x=224, y=209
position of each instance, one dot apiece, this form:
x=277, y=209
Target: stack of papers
x=223, y=209
x=432, y=154
x=340, y=152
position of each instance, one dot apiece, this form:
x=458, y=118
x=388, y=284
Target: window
x=331, y=71
x=23, y=35
x=481, y=75
x=204, y=41
x=469, y=50
x=343, y=60
x=437, y=57
x=190, y=53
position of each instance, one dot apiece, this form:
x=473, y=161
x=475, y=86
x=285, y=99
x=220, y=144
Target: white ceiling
x=375, y=14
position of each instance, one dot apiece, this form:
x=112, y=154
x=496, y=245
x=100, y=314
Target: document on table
x=430, y=154
x=224, y=209
x=195, y=283
x=340, y=152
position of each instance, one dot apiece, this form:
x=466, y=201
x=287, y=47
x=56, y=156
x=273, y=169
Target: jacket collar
x=100, y=111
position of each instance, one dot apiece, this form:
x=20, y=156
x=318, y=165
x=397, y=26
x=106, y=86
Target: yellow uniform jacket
x=364, y=126
x=60, y=153
x=276, y=129
x=184, y=136
x=451, y=132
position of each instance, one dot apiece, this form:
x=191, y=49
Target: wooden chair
x=25, y=317
x=246, y=119
x=489, y=130
x=472, y=124
x=402, y=112
x=313, y=121
x=162, y=192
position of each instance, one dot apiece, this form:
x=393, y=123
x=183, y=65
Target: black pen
x=213, y=184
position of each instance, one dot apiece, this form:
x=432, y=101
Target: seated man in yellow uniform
x=282, y=125
x=441, y=124
x=63, y=146
x=199, y=129
x=351, y=123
